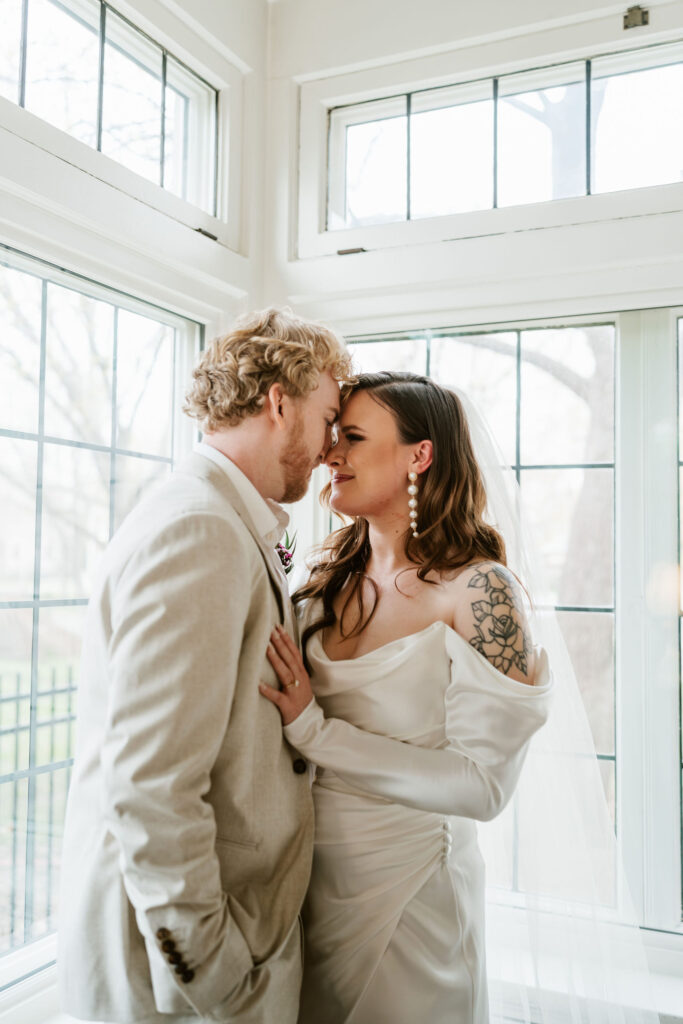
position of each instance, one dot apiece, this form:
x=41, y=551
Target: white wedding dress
x=413, y=742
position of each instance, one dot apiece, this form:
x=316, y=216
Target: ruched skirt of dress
x=394, y=917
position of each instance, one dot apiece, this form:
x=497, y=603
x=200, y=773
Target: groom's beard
x=297, y=466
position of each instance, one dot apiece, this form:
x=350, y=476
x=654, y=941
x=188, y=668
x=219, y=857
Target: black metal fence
x=36, y=756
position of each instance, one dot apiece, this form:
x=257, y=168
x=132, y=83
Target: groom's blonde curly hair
x=272, y=346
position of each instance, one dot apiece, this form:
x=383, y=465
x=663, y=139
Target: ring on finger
x=294, y=682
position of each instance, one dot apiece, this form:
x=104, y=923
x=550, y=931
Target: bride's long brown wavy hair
x=451, y=498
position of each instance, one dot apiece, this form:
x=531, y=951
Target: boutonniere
x=286, y=553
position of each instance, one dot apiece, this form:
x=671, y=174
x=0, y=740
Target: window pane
x=590, y=640
x=78, y=374
x=451, y=151
x=190, y=136
x=133, y=477
x=75, y=519
x=20, y=306
x=16, y=633
x=48, y=819
x=18, y=479
x=570, y=512
x=131, y=116
x=404, y=356
x=62, y=65
x=636, y=120
x=61, y=636
x=10, y=48
x=484, y=367
x=542, y=135
x=13, y=839
x=538, y=863
x=567, y=403
x=144, y=389
x=368, y=164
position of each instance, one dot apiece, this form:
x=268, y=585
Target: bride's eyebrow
x=350, y=426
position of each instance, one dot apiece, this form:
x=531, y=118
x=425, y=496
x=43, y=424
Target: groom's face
x=310, y=437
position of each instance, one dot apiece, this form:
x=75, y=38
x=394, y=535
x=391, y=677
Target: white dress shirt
x=269, y=518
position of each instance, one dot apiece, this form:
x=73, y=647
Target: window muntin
x=101, y=372
x=92, y=74
x=526, y=383
x=553, y=133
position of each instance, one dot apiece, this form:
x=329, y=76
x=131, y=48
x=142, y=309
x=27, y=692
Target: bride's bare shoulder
x=488, y=605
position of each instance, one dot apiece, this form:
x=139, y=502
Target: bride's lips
x=340, y=478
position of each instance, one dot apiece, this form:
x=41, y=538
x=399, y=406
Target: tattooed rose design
x=499, y=637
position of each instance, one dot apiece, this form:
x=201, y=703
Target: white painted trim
x=648, y=798
x=53, y=210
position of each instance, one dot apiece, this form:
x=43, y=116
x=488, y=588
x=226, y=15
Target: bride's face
x=369, y=465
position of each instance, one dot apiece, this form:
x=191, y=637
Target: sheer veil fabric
x=563, y=943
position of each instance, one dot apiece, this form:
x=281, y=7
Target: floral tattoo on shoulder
x=500, y=634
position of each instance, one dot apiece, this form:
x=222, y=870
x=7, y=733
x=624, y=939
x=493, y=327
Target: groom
x=188, y=834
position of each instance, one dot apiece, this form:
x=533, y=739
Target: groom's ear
x=274, y=405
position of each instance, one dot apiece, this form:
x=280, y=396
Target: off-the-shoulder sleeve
x=490, y=719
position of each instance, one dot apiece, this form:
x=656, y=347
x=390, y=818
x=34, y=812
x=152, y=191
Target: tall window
x=85, y=69
x=548, y=396
x=568, y=130
x=89, y=419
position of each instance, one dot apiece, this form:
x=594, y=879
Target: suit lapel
x=201, y=466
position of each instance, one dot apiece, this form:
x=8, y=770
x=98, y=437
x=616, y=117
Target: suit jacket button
x=175, y=958
x=163, y=933
x=187, y=976
x=168, y=945
x=299, y=766
x=180, y=967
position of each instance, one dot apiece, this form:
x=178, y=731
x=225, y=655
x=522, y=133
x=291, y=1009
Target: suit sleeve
x=178, y=614
x=489, y=720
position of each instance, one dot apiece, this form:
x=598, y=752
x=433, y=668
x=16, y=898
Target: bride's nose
x=335, y=456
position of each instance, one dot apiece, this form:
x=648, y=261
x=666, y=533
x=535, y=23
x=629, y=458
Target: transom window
x=569, y=130
x=90, y=393
x=85, y=69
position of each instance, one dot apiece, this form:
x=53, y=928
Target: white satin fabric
x=413, y=741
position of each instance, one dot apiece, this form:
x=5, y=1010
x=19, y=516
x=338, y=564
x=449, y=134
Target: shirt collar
x=269, y=518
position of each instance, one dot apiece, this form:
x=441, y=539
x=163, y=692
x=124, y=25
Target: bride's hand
x=296, y=692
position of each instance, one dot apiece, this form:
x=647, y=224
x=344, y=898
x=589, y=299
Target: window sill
x=35, y=1000
x=609, y=206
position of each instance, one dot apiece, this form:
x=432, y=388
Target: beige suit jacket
x=188, y=812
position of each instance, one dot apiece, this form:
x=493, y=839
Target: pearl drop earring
x=412, y=502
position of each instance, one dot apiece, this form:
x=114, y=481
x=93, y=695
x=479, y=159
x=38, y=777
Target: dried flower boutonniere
x=286, y=553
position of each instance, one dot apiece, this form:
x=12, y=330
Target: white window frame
x=583, y=38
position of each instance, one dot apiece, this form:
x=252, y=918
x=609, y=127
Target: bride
x=416, y=697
